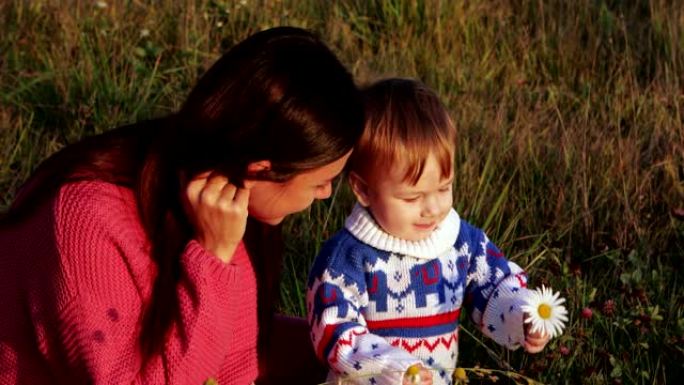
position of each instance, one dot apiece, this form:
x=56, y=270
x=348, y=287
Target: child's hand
x=218, y=211
x=415, y=372
x=534, y=342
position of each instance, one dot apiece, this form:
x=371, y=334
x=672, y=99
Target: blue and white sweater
x=378, y=304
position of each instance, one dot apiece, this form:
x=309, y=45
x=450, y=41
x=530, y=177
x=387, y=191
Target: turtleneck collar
x=362, y=226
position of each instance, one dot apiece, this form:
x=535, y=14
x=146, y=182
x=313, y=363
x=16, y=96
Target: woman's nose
x=324, y=192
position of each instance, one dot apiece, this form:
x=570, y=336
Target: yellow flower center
x=413, y=369
x=544, y=311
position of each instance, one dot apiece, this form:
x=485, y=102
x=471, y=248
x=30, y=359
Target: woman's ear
x=254, y=168
x=360, y=188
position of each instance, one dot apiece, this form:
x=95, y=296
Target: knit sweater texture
x=75, y=277
x=378, y=304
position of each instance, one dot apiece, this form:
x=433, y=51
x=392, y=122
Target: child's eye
x=445, y=189
x=411, y=199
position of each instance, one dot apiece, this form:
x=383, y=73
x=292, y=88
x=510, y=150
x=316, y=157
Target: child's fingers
x=426, y=377
x=535, y=342
x=531, y=348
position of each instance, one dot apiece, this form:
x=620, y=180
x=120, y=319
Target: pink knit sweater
x=74, y=278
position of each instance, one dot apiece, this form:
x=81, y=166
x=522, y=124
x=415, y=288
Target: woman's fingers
x=213, y=189
x=224, y=196
x=218, y=211
x=193, y=191
x=242, y=197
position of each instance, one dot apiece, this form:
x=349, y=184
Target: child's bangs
x=416, y=152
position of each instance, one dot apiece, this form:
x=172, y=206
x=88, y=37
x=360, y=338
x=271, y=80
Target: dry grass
x=571, y=147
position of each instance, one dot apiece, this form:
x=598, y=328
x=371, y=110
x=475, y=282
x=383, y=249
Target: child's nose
x=431, y=206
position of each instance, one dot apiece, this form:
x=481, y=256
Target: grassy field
x=570, y=153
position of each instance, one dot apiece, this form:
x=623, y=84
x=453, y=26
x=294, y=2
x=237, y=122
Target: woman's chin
x=269, y=221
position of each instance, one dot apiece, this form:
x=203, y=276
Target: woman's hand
x=417, y=375
x=534, y=342
x=218, y=211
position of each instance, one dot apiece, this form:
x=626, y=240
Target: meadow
x=570, y=151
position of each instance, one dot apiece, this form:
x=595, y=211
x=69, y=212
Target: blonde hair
x=405, y=122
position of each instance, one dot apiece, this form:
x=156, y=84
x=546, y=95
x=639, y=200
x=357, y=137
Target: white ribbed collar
x=362, y=226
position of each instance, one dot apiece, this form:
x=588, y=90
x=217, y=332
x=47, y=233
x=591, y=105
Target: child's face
x=408, y=211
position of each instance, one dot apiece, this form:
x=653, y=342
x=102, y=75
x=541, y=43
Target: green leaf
x=616, y=372
x=625, y=278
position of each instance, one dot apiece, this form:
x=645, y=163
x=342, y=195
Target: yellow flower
x=413, y=373
x=460, y=375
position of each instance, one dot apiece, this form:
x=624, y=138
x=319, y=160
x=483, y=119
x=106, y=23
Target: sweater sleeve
x=495, y=290
x=100, y=297
x=341, y=337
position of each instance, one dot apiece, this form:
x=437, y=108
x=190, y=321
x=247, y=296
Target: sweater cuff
x=371, y=356
x=203, y=265
x=502, y=320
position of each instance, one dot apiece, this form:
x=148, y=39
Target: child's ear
x=360, y=188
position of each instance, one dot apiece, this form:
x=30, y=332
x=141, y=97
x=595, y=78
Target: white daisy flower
x=545, y=311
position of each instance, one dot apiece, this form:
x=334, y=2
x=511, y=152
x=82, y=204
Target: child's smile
x=425, y=226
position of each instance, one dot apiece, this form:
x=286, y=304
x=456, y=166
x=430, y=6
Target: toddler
x=385, y=293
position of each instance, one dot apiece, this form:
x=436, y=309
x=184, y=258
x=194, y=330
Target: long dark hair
x=279, y=95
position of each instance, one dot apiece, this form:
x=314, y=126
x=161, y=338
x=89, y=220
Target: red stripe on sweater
x=325, y=340
x=453, y=338
x=416, y=322
x=521, y=280
x=328, y=334
x=410, y=348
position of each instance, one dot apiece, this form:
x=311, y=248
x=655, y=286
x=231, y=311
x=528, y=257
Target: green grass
x=570, y=153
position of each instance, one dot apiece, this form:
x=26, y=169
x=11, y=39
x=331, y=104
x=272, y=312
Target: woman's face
x=271, y=202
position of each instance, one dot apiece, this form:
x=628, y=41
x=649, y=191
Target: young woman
x=148, y=254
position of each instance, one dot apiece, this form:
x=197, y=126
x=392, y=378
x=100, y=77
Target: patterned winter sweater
x=378, y=304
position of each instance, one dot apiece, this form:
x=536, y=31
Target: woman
x=129, y=257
